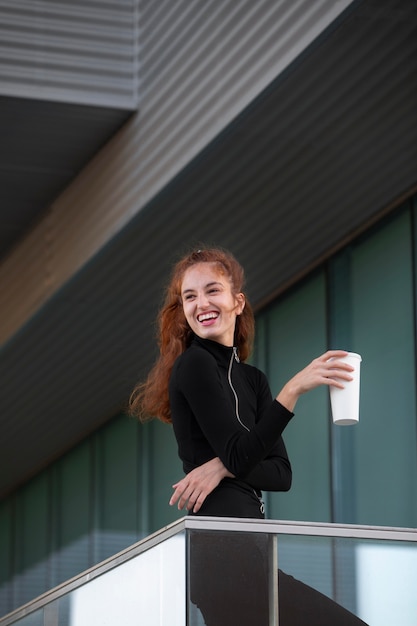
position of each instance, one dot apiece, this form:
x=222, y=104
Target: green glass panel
x=117, y=486
x=342, y=442
x=164, y=470
x=383, y=333
x=5, y=555
x=296, y=335
x=73, y=513
x=31, y=545
x=260, y=348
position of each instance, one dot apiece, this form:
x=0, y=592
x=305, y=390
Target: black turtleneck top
x=222, y=407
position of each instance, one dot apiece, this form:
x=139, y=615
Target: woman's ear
x=240, y=299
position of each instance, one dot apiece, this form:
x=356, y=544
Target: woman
x=227, y=425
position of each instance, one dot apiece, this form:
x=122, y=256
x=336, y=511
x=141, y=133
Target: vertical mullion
x=6, y=574
x=342, y=453
x=340, y=337
x=143, y=473
x=413, y=220
x=96, y=494
x=53, y=525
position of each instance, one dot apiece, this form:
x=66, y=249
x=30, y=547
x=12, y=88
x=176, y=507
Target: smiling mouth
x=207, y=316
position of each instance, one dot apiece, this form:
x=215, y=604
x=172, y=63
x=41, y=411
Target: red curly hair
x=150, y=398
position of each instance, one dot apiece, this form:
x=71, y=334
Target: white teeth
x=206, y=316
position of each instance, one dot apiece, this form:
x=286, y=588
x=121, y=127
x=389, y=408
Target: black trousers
x=229, y=585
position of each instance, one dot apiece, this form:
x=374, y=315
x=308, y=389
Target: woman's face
x=210, y=307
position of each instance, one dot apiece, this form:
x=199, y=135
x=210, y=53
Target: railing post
x=273, y=580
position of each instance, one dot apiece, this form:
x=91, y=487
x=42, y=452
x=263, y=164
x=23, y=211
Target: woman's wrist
x=288, y=396
x=224, y=472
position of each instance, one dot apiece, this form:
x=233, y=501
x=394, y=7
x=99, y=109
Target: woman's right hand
x=193, y=489
x=325, y=370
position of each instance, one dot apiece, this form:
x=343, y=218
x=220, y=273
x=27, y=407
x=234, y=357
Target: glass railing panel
x=387, y=571
x=149, y=588
x=230, y=576
x=327, y=574
x=373, y=580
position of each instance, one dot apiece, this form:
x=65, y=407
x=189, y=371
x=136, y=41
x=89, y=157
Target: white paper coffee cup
x=345, y=402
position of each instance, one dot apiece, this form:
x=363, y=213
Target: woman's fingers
x=188, y=500
x=187, y=496
x=326, y=369
x=179, y=494
x=193, y=489
x=199, y=501
x=331, y=354
x=333, y=370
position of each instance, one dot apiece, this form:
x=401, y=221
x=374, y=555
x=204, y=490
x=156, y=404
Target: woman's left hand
x=193, y=489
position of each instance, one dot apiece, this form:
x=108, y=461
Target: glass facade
x=362, y=300
x=294, y=332
x=113, y=489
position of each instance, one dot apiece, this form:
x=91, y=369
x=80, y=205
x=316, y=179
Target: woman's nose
x=202, y=301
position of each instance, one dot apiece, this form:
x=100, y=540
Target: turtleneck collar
x=221, y=353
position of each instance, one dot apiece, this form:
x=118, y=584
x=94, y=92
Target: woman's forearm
x=193, y=489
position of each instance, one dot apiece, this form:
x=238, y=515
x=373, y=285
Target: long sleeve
x=273, y=473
